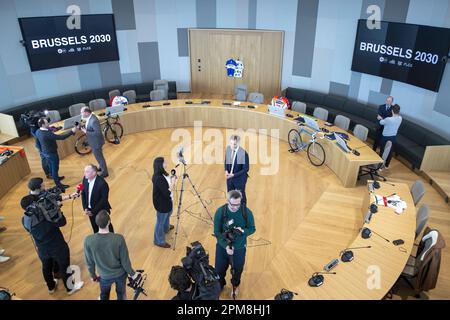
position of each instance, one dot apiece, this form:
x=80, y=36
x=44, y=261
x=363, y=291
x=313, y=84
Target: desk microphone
x=367, y=233
x=317, y=279
x=347, y=254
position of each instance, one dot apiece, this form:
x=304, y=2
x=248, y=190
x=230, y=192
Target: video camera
x=231, y=232
x=205, y=278
x=138, y=284
x=30, y=118
x=47, y=207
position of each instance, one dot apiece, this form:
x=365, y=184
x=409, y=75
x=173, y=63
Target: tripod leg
x=180, y=201
x=199, y=197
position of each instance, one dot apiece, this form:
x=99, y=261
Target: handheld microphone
x=317, y=279
x=347, y=254
x=367, y=233
x=79, y=188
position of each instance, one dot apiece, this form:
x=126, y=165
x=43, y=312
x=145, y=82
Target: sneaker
x=76, y=286
x=2, y=251
x=54, y=289
x=4, y=259
x=2, y=218
x=234, y=290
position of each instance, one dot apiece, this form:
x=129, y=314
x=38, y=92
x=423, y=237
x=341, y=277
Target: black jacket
x=161, y=194
x=47, y=140
x=99, y=197
x=47, y=236
x=384, y=113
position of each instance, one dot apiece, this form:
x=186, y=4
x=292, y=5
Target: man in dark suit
x=236, y=167
x=384, y=111
x=47, y=141
x=94, y=195
x=94, y=136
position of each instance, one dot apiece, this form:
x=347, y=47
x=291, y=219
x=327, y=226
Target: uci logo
x=74, y=20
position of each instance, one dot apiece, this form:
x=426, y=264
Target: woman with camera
x=163, y=186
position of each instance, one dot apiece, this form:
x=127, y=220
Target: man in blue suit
x=236, y=167
x=384, y=111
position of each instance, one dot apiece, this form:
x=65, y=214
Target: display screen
x=53, y=42
x=408, y=53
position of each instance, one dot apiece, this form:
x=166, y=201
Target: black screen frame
x=23, y=41
x=441, y=72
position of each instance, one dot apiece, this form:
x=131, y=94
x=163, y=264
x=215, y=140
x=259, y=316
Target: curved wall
x=152, y=39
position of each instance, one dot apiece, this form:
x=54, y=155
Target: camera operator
x=47, y=140
x=179, y=280
x=108, y=253
x=51, y=247
x=196, y=280
x=44, y=162
x=233, y=223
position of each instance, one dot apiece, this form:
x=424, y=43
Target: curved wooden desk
x=216, y=115
x=14, y=169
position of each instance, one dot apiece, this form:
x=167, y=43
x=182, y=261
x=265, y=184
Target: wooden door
x=260, y=52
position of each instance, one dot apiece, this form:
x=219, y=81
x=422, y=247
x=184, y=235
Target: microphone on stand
x=366, y=233
x=347, y=254
x=317, y=279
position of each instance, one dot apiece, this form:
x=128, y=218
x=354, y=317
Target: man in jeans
x=107, y=252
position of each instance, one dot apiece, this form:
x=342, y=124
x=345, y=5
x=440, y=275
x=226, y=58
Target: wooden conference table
x=14, y=169
x=179, y=114
x=373, y=271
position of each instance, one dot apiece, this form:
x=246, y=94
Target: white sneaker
x=236, y=292
x=2, y=251
x=54, y=289
x=2, y=218
x=76, y=286
x=4, y=259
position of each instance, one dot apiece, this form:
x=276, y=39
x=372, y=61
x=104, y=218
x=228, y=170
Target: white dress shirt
x=91, y=186
x=234, y=158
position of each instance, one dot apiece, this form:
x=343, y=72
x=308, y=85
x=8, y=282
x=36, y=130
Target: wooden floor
x=280, y=203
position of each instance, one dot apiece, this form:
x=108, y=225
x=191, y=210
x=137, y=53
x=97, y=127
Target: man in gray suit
x=95, y=138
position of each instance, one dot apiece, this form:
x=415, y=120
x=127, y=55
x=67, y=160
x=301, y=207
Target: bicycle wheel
x=295, y=140
x=113, y=133
x=82, y=147
x=316, y=154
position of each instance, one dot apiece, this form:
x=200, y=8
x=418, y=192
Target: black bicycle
x=112, y=131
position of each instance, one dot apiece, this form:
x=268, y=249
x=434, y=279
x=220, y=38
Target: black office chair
x=373, y=169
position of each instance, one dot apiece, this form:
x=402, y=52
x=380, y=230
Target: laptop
x=70, y=123
x=311, y=123
x=277, y=111
x=115, y=110
x=341, y=143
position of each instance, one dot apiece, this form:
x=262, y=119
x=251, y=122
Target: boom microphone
x=367, y=233
x=317, y=279
x=347, y=254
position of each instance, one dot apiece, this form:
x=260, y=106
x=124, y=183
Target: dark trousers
x=53, y=162
x=44, y=164
x=121, y=287
x=223, y=260
x=378, y=138
x=98, y=154
x=384, y=140
x=95, y=227
x=233, y=185
x=54, y=266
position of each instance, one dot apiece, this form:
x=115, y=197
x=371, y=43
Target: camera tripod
x=180, y=200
